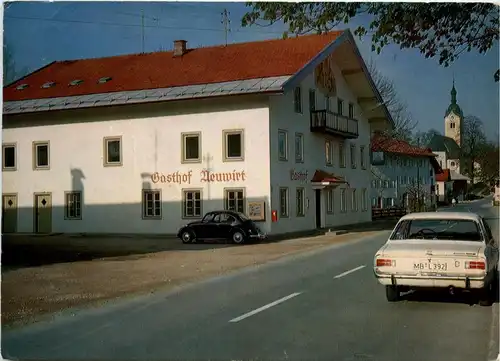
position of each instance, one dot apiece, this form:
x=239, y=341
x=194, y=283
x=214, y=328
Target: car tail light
x=384, y=262
x=475, y=265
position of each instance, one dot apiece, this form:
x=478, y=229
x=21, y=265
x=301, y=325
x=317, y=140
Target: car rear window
x=438, y=229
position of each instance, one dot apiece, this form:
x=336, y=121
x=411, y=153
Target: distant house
x=144, y=143
x=401, y=171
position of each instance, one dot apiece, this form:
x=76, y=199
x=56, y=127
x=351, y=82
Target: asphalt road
x=323, y=305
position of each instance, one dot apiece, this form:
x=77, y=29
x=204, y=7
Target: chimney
x=179, y=47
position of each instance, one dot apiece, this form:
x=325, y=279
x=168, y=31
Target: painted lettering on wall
x=176, y=177
x=206, y=176
x=298, y=175
x=234, y=176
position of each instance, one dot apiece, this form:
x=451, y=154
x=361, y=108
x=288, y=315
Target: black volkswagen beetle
x=228, y=225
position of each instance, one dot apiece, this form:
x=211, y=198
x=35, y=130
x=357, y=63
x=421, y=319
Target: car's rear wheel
x=488, y=294
x=238, y=237
x=188, y=237
x=392, y=293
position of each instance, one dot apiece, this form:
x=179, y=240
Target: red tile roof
x=384, y=143
x=215, y=64
x=444, y=176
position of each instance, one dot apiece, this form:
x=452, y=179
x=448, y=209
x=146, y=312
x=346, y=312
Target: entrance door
x=43, y=213
x=9, y=213
x=318, y=207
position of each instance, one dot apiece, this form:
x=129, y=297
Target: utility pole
x=142, y=28
x=418, y=178
x=226, y=22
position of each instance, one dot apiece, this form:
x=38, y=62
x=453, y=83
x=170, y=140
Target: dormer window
x=104, y=80
x=22, y=86
x=75, y=82
x=49, y=84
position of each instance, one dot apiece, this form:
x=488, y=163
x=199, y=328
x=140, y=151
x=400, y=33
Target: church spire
x=453, y=92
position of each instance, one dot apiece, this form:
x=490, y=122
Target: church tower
x=453, y=118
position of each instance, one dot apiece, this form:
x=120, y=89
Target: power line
x=131, y=25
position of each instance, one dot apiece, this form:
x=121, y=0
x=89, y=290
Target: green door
x=43, y=213
x=9, y=213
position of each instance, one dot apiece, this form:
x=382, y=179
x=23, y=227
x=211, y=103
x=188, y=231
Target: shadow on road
x=31, y=251
x=468, y=298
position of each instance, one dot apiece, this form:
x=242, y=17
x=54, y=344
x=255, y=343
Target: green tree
x=442, y=30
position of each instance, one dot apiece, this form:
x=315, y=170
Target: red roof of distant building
x=252, y=60
x=444, y=176
x=384, y=143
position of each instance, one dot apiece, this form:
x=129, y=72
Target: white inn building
x=144, y=143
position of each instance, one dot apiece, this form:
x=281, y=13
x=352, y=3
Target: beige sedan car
x=453, y=250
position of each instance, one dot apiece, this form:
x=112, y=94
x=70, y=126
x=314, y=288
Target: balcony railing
x=325, y=121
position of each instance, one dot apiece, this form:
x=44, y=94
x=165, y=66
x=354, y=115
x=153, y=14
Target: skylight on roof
x=22, y=86
x=75, y=82
x=104, y=80
x=49, y=84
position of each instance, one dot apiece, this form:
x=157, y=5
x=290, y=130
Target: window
x=191, y=147
x=282, y=144
x=41, y=155
x=233, y=145
x=151, y=204
x=312, y=99
x=438, y=230
x=73, y=205
x=9, y=157
x=393, y=184
x=362, y=157
x=354, y=201
x=374, y=183
x=343, y=201
x=284, y=202
x=386, y=184
x=299, y=147
x=329, y=201
x=327, y=103
x=363, y=200
x=300, y=202
x=328, y=152
x=353, y=156
x=234, y=200
x=340, y=106
x=112, y=151
x=374, y=202
x=351, y=110
x=341, y=155
x=191, y=203
x=297, y=100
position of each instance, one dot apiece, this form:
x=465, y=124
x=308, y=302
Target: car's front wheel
x=392, y=293
x=187, y=236
x=238, y=237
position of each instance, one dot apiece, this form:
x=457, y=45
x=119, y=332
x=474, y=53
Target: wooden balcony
x=325, y=121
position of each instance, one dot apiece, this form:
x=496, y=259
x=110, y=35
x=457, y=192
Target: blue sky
x=85, y=30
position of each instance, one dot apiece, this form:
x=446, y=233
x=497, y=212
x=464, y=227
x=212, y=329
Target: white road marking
x=350, y=271
x=265, y=307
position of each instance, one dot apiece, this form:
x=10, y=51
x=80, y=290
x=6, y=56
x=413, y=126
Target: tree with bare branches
x=473, y=140
x=404, y=124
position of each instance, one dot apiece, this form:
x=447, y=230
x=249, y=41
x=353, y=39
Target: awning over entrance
x=324, y=179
